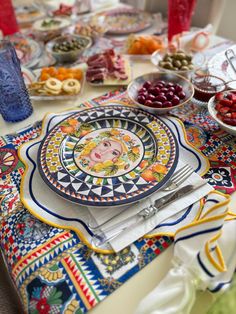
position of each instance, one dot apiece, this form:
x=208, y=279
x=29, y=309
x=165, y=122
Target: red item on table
x=179, y=16
x=8, y=23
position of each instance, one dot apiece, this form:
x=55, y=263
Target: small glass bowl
x=198, y=61
x=206, y=85
x=67, y=56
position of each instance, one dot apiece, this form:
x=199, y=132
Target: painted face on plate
x=106, y=150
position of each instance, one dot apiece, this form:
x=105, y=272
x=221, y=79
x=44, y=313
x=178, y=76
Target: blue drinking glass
x=15, y=103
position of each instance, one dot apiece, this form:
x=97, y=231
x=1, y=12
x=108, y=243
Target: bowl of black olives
x=179, y=61
x=67, y=48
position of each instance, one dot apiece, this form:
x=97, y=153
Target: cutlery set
x=100, y=237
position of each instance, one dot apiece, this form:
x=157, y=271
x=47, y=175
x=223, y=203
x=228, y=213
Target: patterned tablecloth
x=53, y=271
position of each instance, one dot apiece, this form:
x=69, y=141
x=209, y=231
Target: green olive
x=180, y=56
x=189, y=58
x=168, y=66
x=184, y=68
x=191, y=66
x=185, y=62
x=162, y=64
x=166, y=56
x=177, y=63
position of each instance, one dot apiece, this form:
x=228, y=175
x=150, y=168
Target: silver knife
x=100, y=238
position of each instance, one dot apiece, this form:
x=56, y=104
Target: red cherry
x=156, y=91
x=161, y=98
x=178, y=88
x=169, y=95
x=161, y=82
x=142, y=90
x=164, y=90
x=167, y=104
x=147, y=84
x=181, y=95
x=169, y=84
x=157, y=104
x=141, y=99
x=175, y=101
x=151, y=97
x=171, y=89
x=159, y=85
x=148, y=103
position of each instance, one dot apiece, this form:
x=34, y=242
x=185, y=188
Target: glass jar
x=206, y=85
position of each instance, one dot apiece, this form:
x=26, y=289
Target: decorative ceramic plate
x=219, y=66
x=56, y=211
x=108, y=156
x=27, y=49
x=127, y=21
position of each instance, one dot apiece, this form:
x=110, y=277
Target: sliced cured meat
x=104, y=65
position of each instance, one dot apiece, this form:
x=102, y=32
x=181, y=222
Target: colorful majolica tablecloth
x=53, y=271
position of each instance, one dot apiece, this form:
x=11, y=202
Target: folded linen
x=204, y=257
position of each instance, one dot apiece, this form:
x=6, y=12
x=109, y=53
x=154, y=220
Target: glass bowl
x=138, y=82
x=206, y=85
x=214, y=114
x=198, y=60
x=67, y=56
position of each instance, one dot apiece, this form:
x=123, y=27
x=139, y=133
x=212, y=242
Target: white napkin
x=204, y=257
x=142, y=228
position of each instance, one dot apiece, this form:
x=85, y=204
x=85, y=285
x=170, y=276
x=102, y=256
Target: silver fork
x=178, y=178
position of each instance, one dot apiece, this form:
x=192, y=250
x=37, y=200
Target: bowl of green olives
x=178, y=61
x=67, y=48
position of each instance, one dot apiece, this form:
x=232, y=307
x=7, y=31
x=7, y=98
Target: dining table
x=128, y=295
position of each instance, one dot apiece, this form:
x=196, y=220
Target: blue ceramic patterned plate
x=108, y=156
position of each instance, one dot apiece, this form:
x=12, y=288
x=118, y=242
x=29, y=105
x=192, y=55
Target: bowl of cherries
x=222, y=108
x=159, y=92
